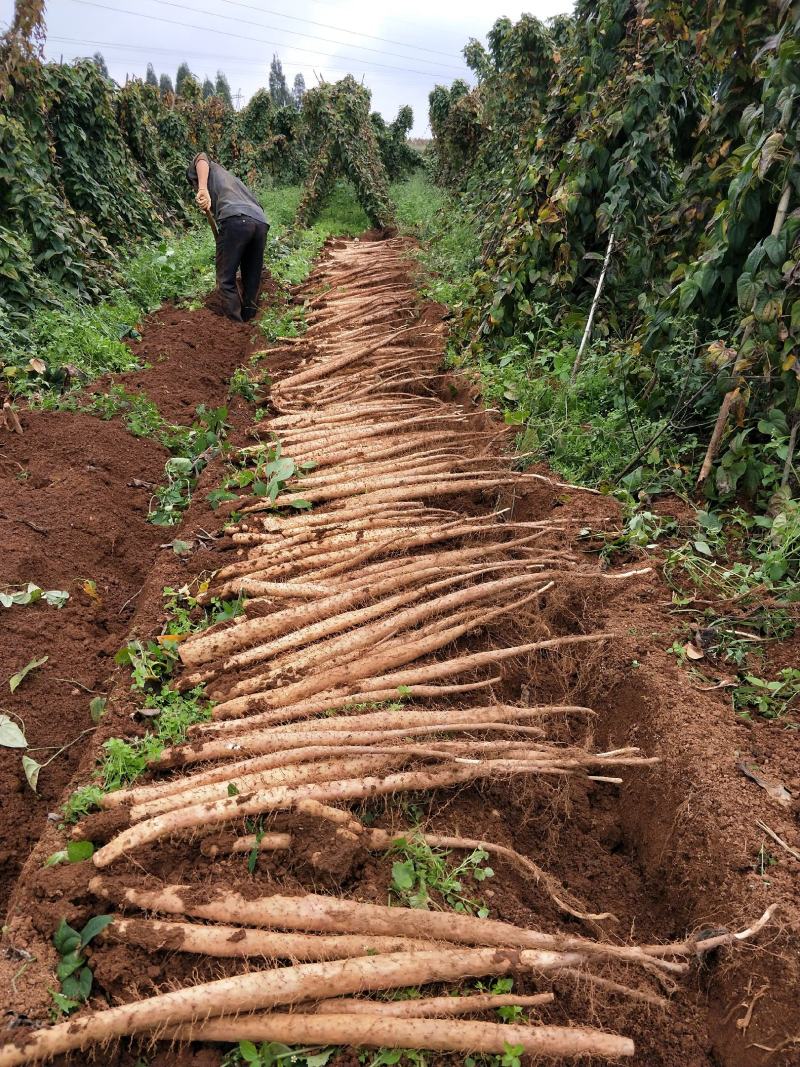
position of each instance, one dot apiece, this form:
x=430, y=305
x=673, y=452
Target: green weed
x=423, y=870
x=389, y=1057
x=510, y=1057
x=770, y=699
x=264, y=473
x=278, y=322
x=78, y=341
x=274, y=1054
x=72, y=971
x=169, y=712
x=195, y=447
x=241, y=384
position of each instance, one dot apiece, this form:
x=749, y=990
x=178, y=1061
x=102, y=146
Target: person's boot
x=249, y=312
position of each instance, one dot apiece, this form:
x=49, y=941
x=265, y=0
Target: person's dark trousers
x=240, y=245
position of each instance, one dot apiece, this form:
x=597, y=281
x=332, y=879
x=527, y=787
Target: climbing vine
x=659, y=137
x=343, y=143
x=399, y=158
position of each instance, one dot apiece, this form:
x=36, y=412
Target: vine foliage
x=343, y=143
x=672, y=125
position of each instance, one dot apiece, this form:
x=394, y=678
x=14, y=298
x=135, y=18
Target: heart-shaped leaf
x=31, y=769
x=11, y=736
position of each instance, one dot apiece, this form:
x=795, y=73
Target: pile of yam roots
x=401, y=581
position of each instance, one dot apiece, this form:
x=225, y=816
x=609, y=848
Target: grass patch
x=80, y=341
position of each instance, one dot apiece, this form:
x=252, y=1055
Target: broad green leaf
x=56, y=598
x=248, y=1052
x=66, y=939
x=29, y=595
x=64, y=1004
x=320, y=1059
x=78, y=985
x=55, y=858
x=11, y=736
x=16, y=679
x=302, y=505
x=403, y=874
x=67, y=965
x=95, y=926
x=77, y=851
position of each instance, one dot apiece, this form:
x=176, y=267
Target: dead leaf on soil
x=89, y=586
x=777, y=790
x=692, y=651
x=11, y=736
x=16, y=680
x=31, y=769
x=724, y=683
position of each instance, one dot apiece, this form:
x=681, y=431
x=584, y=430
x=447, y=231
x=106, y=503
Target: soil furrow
x=599, y=785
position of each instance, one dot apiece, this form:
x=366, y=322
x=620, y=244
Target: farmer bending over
x=242, y=235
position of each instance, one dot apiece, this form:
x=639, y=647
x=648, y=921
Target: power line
x=218, y=59
x=294, y=33
x=247, y=37
x=341, y=29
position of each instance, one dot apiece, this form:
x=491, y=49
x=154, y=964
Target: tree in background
x=100, y=62
x=278, y=89
x=165, y=85
x=223, y=89
x=187, y=85
x=298, y=90
x=208, y=88
x=150, y=78
x=180, y=78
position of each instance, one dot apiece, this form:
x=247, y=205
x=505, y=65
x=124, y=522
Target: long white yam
x=444, y=1035
x=338, y=622
x=329, y=702
x=322, y=369
x=215, y=812
x=265, y=989
x=235, y=942
x=431, y=1007
x=401, y=723
x=353, y=679
x=281, y=776
x=332, y=613
x=370, y=634
x=324, y=914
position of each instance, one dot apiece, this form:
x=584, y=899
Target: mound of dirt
x=75, y=493
x=73, y=516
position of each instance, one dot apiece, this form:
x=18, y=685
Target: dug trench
x=669, y=851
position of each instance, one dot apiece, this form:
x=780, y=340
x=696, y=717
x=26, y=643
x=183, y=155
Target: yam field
x=410, y=674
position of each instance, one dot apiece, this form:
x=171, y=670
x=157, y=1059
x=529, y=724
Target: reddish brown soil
x=75, y=492
x=672, y=851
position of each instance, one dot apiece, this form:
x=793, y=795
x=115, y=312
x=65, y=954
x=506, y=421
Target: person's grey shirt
x=229, y=196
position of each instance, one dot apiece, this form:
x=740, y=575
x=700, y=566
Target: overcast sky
x=400, y=50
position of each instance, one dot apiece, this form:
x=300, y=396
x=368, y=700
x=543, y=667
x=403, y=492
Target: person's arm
x=203, y=197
